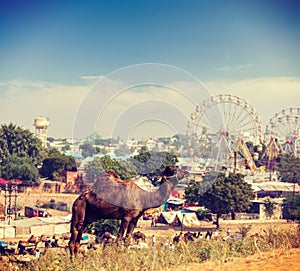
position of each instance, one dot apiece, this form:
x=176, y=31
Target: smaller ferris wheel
x=285, y=127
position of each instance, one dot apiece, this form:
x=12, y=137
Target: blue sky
x=60, y=42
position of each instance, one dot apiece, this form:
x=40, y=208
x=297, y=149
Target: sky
x=125, y=67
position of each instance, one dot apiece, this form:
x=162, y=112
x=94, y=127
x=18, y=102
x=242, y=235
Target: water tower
x=41, y=124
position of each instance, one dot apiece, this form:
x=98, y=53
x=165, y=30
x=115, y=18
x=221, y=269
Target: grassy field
x=267, y=246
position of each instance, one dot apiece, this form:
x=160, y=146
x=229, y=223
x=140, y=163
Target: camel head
x=173, y=174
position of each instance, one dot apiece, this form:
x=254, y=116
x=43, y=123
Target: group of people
x=215, y=235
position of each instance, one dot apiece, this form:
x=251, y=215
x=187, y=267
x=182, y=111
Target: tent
x=36, y=226
x=178, y=218
x=7, y=231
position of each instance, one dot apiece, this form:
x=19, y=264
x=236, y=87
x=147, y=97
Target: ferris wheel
x=285, y=128
x=218, y=124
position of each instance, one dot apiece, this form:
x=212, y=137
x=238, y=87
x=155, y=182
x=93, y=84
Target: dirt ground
x=278, y=260
x=275, y=260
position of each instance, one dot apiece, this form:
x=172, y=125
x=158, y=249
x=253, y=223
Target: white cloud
x=268, y=95
x=243, y=67
x=222, y=69
x=21, y=101
x=92, y=77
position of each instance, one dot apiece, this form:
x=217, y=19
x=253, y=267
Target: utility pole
x=10, y=201
x=294, y=188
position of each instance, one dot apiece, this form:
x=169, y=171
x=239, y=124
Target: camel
x=139, y=235
x=112, y=198
x=191, y=236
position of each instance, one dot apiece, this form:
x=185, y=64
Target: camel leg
x=130, y=228
x=77, y=225
x=124, y=225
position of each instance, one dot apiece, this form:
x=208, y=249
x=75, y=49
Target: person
x=228, y=232
x=207, y=235
x=153, y=221
x=21, y=248
x=216, y=234
x=153, y=240
x=37, y=254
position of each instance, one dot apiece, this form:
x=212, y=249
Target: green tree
x=289, y=168
x=291, y=207
x=269, y=206
x=103, y=225
x=227, y=195
x=192, y=192
x=55, y=167
x=152, y=164
x=97, y=166
x=15, y=140
x=87, y=150
x=20, y=168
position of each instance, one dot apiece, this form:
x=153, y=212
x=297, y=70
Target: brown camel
x=191, y=236
x=112, y=198
x=139, y=235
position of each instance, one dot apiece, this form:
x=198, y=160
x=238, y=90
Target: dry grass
x=272, y=241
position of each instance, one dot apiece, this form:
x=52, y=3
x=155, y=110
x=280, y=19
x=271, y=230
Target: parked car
x=33, y=211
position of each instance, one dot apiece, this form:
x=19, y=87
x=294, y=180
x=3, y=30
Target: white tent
x=7, y=231
x=36, y=226
x=178, y=218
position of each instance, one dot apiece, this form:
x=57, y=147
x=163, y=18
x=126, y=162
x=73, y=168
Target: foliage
x=87, y=150
x=103, y=225
x=162, y=258
x=291, y=207
x=191, y=194
x=269, y=207
x=123, y=150
x=193, y=191
x=204, y=214
x=15, y=140
x=152, y=164
x=20, y=168
x=244, y=230
x=97, y=166
x=227, y=195
x=56, y=166
x=289, y=168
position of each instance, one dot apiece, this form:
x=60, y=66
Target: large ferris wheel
x=220, y=124
x=285, y=128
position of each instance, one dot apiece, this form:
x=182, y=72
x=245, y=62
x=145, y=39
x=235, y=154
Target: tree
x=56, y=165
x=291, y=207
x=103, y=225
x=289, y=168
x=192, y=192
x=15, y=140
x=152, y=164
x=20, y=168
x=87, y=150
x=97, y=166
x=227, y=195
x=269, y=207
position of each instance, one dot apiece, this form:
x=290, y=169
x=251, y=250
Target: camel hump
x=112, y=174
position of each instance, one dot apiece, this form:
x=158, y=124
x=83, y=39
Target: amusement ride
x=219, y=128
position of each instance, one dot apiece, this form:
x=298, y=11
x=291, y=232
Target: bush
x=161, y=258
